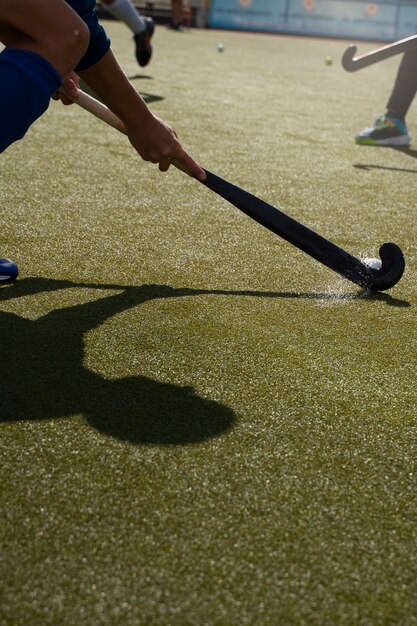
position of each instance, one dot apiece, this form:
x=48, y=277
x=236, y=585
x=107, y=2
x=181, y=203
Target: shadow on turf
x=147, y=97
x=404, y=149
x=364, y=166
x=43, y=376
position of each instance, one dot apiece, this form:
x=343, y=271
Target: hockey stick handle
x=351, y=63
x=100, y=111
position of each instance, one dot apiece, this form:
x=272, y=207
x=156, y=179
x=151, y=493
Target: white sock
x=125, y=11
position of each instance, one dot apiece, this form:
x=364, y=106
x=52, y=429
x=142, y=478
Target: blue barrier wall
x=386, y=20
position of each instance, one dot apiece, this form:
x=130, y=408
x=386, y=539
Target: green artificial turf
x=201, y=425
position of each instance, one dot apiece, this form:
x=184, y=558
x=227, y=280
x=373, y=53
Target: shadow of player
x=43, y=376
x=411, y=152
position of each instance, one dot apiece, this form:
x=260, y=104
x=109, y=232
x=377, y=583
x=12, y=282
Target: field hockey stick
x=273, y=219
x=351, y=63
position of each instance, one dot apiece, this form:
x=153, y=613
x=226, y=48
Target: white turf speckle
x=375, y=264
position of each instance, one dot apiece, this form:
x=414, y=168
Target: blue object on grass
x=8, y=270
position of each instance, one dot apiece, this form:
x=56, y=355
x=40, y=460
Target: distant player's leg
x=405, y=86
x=141, y=27
x=177, y=15
x=390, y=129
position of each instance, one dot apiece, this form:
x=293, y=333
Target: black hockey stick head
x=393, y=265
x=351, y=63
x=348, y=62
x=313, y=244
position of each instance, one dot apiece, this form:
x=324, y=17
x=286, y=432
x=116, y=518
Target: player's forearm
x=151, y=137
x=111, y=85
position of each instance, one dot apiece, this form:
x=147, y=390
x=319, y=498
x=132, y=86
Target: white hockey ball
x=374, y=264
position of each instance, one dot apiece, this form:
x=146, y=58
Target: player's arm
x=152, y=138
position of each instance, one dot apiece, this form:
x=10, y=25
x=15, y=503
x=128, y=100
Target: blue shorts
x=27, y=80
x=99, y=42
